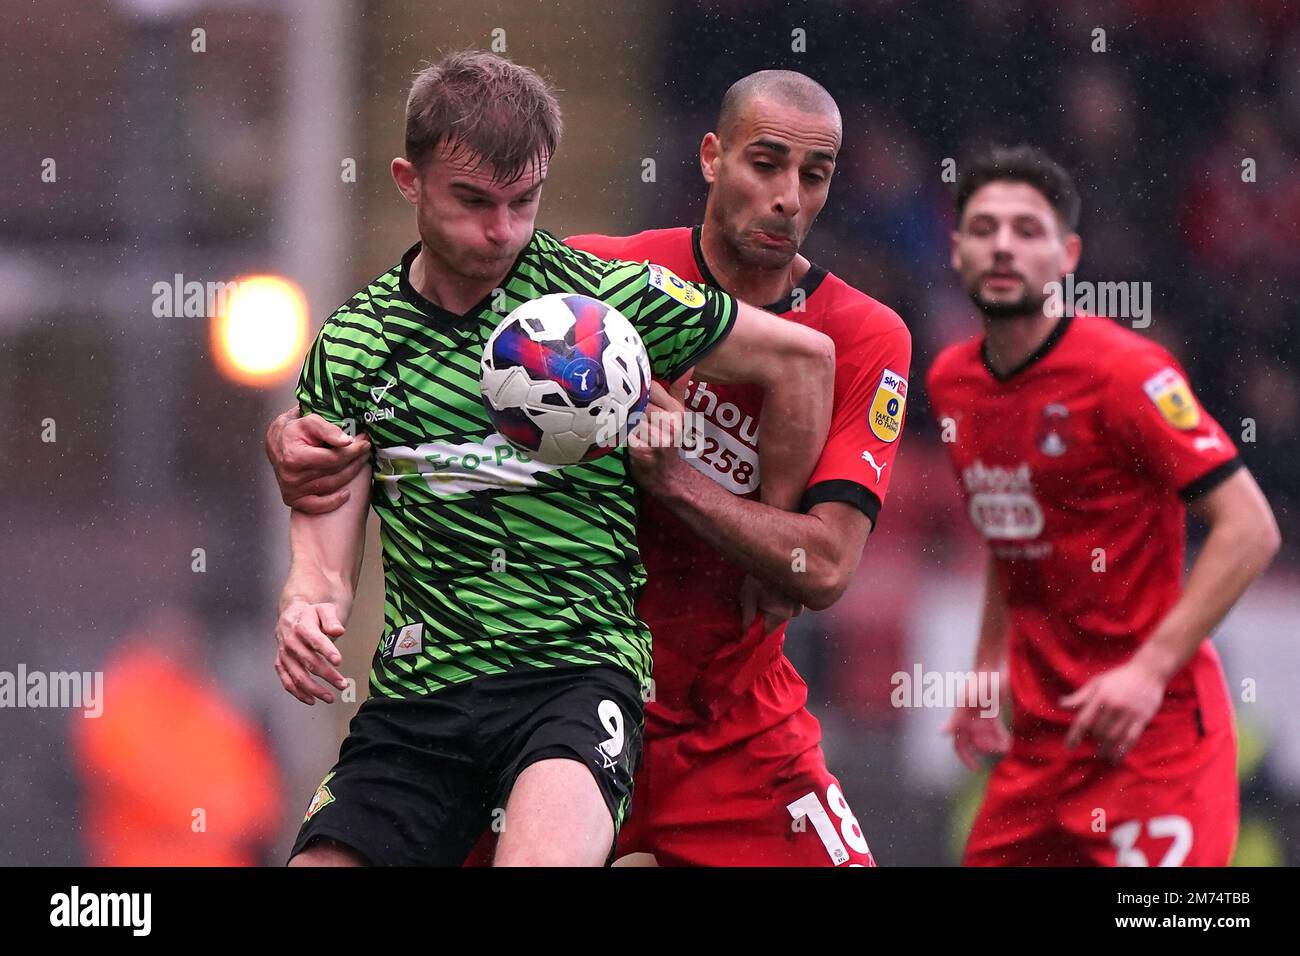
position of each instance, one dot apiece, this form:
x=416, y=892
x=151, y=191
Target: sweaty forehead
x=802, y=131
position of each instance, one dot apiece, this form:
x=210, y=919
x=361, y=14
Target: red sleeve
x=1159, y=424
x=606, y=247
x=866, y=423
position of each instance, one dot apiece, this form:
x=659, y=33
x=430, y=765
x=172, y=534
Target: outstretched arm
x=977, y=735
x=805, y=542
x=810, y=557
x=325, y=561
x=1115, y=707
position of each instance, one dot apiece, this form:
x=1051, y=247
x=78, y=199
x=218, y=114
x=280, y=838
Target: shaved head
x=768, y=164
x=784, y=87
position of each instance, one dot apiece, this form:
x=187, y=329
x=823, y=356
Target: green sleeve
x=317, y=393
x=679, y=321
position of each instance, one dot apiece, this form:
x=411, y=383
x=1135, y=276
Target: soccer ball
x=561, y=376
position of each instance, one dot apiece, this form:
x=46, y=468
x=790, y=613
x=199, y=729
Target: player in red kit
x=1078, y=446
x=734, y=757
x=733, y=772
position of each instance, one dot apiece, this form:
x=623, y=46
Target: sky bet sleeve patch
x=666, y=282
x=886, y=414
x=1172, y=396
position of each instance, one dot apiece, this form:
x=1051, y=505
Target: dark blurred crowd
x=1180, y=123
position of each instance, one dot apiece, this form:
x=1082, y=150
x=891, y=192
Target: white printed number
x=1124, y=838
x=612, y=719
x=809, y=806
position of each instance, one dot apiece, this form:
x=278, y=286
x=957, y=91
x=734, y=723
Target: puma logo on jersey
x=1207, y=443
x=870, y=460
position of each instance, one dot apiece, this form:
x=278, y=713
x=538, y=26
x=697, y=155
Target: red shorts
x=750, y=788
x=1172, y=801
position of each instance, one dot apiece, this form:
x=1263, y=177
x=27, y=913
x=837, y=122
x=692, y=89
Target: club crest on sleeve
x=667, y=282
x=1170, y=394
x=886, y=413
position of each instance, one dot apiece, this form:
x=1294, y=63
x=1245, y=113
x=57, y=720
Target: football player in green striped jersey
x=507, y=688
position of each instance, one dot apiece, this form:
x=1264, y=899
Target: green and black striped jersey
x=493, y=561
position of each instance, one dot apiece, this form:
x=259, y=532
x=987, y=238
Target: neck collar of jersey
x=435, y=311
x=1036, y=356
x=811, y=280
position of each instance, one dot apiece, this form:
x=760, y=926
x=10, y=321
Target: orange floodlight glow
x=259, y=330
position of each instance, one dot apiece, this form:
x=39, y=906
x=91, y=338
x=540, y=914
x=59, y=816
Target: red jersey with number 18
x=1076, y=467
x=691, y=602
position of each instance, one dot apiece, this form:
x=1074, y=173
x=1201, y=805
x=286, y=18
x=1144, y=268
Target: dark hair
x=503, y=113
x=1021, y=164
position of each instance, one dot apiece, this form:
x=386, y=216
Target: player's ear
x=953, y=259
x=710, y=151
x=407, y=178
x=1073, y=250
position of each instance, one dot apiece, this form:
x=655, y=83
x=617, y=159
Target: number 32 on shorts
x=810, y=807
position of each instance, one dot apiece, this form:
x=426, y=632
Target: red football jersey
x=691, y=602
x=1075, y=467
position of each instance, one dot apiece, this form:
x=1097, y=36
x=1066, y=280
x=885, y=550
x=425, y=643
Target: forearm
x=326, y=552
x=1232, y=557
x=311, y=583
x=795, y=553
x=792, y=431
x=991, y=648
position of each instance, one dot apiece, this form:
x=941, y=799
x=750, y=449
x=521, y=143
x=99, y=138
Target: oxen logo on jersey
x=1170, y=393
x=886, y=414
x=1002, y=502
x=667, y=282
x=1051, y=437
x=377, y=394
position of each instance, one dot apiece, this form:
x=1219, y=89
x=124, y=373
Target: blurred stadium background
x=146, y=539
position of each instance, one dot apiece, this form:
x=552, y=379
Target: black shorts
x=419, y=781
